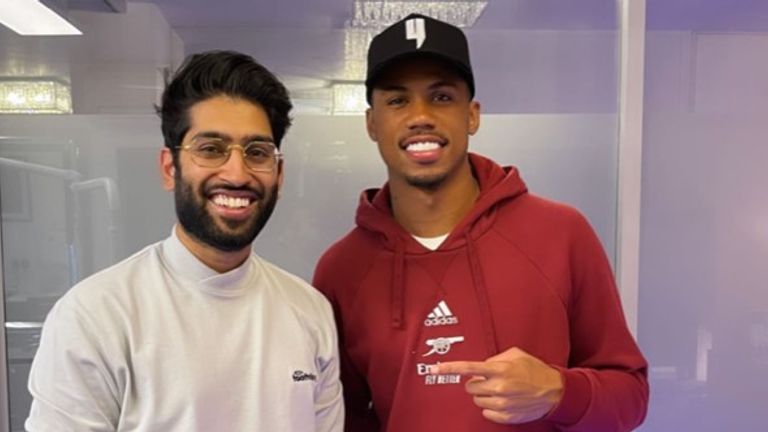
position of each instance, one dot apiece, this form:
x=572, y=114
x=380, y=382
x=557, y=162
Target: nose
x=234, y=170
x=420, y=115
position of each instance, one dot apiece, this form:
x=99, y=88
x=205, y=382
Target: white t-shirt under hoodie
x=161, y=342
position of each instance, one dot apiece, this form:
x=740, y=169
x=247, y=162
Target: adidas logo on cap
x=441, y=316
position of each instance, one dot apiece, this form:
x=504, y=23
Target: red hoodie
x=517, y=271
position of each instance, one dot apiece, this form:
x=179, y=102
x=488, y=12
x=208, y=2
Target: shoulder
x=541, y=206
x=356, y=242
x=542, y=214
x=94, y=316
x=118, y=275
x=298, y=294
x=346, y=261
x=104, y=294
x=551, y=234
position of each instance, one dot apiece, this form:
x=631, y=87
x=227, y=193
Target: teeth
x=422, y=146
x=231, y=202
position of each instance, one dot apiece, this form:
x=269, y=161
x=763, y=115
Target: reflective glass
x=703, y=302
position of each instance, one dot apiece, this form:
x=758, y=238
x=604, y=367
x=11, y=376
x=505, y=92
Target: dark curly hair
x=215, y=73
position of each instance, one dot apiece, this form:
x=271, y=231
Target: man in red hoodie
x=465, y=303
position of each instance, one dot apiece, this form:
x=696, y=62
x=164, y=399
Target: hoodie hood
x=497, y=184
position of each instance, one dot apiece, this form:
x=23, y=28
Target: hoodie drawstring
x=398, y=287
x=482, y=297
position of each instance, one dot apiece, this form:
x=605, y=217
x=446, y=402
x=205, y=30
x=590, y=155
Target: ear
x=474, y=117
x=370, y=124
x=280, y=172
x=167, y=169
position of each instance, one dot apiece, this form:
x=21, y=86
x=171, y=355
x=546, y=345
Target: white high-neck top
x=161, y=342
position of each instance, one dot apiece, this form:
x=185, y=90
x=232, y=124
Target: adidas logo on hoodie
x=441, y=316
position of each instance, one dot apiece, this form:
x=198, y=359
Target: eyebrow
x=226, y=138
x=435, y=85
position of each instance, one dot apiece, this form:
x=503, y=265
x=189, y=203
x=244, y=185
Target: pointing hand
x=512, y=387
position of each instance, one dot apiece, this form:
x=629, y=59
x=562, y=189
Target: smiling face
x=421, y=116
x=223, y=207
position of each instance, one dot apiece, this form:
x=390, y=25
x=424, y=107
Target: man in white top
x=198, y=333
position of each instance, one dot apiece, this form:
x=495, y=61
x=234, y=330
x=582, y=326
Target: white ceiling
x=741, y=15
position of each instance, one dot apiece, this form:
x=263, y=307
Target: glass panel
x=62, y=213
x=33, y=182
x=81, y=191
x=703, y=305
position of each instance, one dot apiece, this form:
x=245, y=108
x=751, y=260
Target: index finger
x=484, y=369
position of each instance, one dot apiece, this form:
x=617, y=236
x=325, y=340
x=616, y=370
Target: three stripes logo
x=441, y=316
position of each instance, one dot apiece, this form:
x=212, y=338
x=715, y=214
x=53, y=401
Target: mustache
x=257, y=193
x=423, y=131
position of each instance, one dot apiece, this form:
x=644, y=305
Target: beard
x=427, y=182
x=194, y=217
x=432, y=181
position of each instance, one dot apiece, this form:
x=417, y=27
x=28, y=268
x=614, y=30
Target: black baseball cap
x=418, y=36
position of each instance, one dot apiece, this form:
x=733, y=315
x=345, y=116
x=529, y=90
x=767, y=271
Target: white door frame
x=632, y=70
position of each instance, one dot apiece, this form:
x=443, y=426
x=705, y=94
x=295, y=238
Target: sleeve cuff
x=577, y=393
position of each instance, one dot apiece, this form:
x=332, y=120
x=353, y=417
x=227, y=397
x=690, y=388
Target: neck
x=214, y=258
x=434, y=212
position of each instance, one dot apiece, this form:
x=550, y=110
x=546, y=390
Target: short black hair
x=215, y=73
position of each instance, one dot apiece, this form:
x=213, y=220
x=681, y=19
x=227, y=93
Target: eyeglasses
x=261, y=156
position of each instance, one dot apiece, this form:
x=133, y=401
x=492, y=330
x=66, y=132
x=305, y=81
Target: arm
x=359, y=415
x=71, y=382
x=604, y=385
